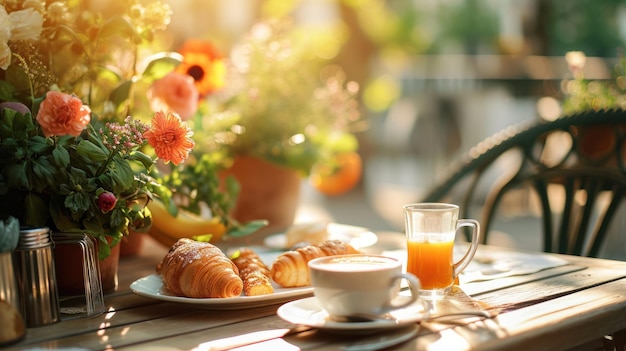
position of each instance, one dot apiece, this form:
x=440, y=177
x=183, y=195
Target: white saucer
x=308, y=312
x=358, y=237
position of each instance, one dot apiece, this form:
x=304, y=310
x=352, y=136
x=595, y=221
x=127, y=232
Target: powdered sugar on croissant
x=290, y=269
x=199, y=269
x=253, y=272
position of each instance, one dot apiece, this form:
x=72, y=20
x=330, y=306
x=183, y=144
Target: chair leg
x=607, y=343
x=619, y=340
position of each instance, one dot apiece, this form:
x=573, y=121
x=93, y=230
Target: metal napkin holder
x=94, y=297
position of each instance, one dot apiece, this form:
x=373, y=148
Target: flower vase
x=267, y=192
x=68, y=263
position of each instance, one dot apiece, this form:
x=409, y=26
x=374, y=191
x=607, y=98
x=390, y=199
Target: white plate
x=152, y=286
x=358, y=237
x=308, y=312
x=383, y=340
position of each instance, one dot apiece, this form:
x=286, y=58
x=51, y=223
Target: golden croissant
x=253, y=272
x=290, y=269
x=199, y=269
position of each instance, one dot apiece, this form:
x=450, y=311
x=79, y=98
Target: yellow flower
x=205, y=64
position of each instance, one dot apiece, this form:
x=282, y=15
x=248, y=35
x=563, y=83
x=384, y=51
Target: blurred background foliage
x=436, y=76
x=373, y=39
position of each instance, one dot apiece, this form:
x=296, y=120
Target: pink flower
x=62, y=114
x=175, y=93
x=106, y=201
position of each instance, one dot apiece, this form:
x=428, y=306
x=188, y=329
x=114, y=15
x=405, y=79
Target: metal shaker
x=9, y=291
x=36, y=277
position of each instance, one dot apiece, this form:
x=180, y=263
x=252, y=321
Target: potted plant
x=69, y=161
x=102, y=59
x=583, y=94
x=276, y=112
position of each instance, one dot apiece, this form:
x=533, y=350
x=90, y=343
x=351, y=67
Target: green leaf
x=78, y=176
x=91, y=151
x=145, y=160
x=38, y=144
x=119, y=26
x=15, y=175
x=36, y=210
x=77, y=202
x=121, y=93
x=62, y=222
x=9, y=234
x=61, y=156
x=16, y=124
x=44, y=173
x=23, y=122
x=138, y=202
x=118, y=218
x=161, y=64
x=122, y=174
x=6, y=91
x=248, y=228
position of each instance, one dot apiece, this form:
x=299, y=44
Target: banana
x=167, y=229
x=163, y=238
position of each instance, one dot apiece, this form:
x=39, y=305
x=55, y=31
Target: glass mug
x=430, y=232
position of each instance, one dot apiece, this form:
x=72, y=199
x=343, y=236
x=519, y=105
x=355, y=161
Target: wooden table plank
x=556, y=324
x=69, y=329
x=552, y=286
x=139, y=325
x=195, y=338
x=483, y=287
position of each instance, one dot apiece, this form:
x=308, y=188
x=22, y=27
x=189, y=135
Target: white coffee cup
x=350, y=285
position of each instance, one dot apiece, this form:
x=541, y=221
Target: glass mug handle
x=467, y=258
x=414, y=285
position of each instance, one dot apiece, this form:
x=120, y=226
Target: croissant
x=253, y=272
x=290, y=269
x=199, y=269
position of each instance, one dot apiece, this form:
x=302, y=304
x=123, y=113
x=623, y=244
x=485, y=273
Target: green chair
x=582, y=156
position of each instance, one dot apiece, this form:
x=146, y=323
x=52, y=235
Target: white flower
x=26, y=24
x=18, y=25
x=5, y=35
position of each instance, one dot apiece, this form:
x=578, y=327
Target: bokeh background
x=436, y=77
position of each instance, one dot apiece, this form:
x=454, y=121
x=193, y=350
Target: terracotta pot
x=267, y=192
x=596, y=142
x=68, y=264
x=132, y=244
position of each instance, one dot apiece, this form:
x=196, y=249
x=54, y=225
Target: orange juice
x=432, y=263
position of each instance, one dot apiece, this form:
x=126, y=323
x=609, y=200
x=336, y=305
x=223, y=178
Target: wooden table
x=586, y=299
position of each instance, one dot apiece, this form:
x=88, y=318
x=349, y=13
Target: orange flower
x=176, y=93
x=205, y=64
x=62, y=114
x=170, y=137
